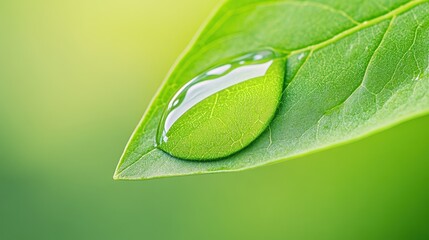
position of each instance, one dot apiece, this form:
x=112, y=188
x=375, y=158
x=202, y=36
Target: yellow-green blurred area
x=75, y=78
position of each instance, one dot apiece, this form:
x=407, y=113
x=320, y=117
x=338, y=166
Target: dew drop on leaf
x=224, y=109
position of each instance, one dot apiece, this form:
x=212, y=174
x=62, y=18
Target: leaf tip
x=117, y=175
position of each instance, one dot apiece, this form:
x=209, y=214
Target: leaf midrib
x=369, y=23
x=394, y=13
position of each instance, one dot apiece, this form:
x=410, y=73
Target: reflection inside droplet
x=212, y=81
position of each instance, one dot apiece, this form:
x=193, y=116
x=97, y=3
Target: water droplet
x=224, y=109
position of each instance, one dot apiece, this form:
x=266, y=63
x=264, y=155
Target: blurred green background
x=75, y=78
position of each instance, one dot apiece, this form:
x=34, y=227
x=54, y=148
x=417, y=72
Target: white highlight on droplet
x=197, y=92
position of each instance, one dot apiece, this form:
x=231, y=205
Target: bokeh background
x=75, y=78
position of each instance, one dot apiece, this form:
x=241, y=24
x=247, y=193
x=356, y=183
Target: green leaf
x=353, y=68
